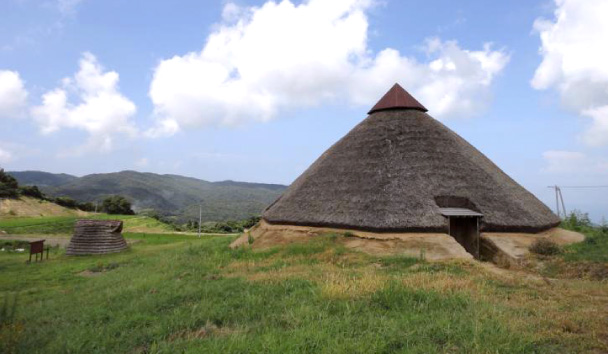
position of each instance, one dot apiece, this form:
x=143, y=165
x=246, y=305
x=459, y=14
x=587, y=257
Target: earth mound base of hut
x=511, y=247
x=96, y=237
x=433, y=246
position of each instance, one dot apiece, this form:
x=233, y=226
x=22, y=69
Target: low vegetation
x=584, y=260
x=222, y=227
x=179, y=293
x=595, y=246
x=545, y=247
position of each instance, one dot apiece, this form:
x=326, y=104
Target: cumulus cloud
x=5, y=156
x=574, y=51
x=13, y=96
x=261, y=60
x=89, y=101
x=567, y=162
x=454, y=82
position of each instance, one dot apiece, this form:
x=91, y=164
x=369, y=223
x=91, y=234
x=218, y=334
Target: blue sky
x=256, y=91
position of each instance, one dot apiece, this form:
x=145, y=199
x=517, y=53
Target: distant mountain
x=42, y=179
x=167, y=194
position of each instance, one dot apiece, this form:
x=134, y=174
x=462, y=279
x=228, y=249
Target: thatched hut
x=401, y=174
x=96, y=237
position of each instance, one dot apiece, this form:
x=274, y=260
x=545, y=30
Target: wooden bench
x=36, y=248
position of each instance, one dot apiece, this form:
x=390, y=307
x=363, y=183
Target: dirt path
x=50, y=240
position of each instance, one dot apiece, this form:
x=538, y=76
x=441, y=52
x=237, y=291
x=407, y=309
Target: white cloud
x=261, y=60
x=454, y=82
x=597, y=134
x=5, y=156
x=162, y=128
x=67, y=7
x=13, y=95
x=573, y=162
x=574, y=61
x=100, y=109
x=143, y=162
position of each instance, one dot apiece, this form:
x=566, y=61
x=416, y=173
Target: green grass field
x=177, y=293
x=593, y=249
x=65, y=224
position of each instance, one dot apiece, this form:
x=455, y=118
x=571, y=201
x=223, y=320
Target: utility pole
x=559, y=198
x=200, y=217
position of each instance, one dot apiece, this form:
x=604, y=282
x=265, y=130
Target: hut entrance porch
x=463, y=225
x=466, y=232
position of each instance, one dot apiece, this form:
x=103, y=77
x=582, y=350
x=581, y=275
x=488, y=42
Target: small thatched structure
x=96, y=237
x=402, y=171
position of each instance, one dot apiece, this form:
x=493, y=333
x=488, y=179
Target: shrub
x=545, y=247
x=249, y=223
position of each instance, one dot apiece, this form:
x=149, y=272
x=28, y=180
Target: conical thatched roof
x=395, y=170
x=96, y=237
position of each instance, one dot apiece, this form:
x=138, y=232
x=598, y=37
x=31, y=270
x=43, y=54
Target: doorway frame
x=477, y=233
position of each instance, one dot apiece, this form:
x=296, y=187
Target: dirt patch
x=511, y=248
x=99, y=269
x=430, y=246
x=208, y=330
x=50, y=240
x=54, y=240
x=89, y=274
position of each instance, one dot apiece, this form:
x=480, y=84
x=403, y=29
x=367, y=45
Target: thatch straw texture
x=96, y=237
x=393, y=171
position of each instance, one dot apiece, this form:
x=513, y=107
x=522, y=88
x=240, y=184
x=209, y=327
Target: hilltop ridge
x=167, y=194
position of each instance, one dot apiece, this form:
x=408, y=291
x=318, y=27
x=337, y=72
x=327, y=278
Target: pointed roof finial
x=397, y=97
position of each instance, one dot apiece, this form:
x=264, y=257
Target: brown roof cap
x=395, y=98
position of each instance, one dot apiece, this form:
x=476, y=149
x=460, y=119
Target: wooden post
x=478, y=236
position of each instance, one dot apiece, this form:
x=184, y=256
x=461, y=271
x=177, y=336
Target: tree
x=577, y=220
x=66, y=202
x=117, y=204
x=9, y=188
x=31, y=191
x=88, y=206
